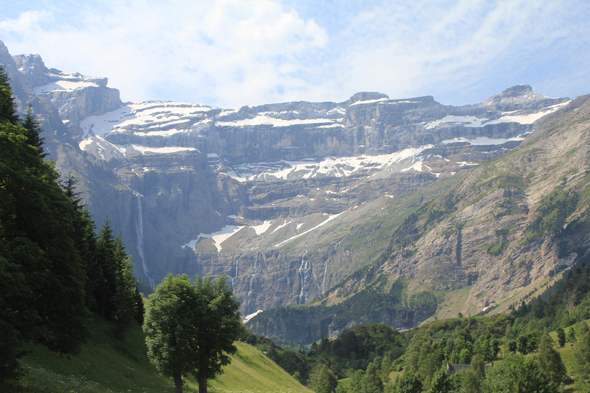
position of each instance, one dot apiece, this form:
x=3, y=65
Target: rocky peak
x=516, y=91
x=519, y=98
x=7, y=61
x=366, y=96
x=32, y=70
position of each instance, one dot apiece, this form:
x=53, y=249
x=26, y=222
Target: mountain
x=505, y=232
x=289, y=200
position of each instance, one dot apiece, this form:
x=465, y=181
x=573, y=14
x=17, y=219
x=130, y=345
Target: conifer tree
x=561, y=337
x=43, y=277
x=7, y=104
x=33, y=132
x=571, y=335
x=550, y=361
x=139, y=307
x=323, y=380
x=124, y=299
x=106, y=286
x=581, y=363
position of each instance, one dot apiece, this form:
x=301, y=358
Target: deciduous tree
x=191, y=327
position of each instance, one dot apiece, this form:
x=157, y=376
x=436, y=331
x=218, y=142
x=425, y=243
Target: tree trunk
x=177, y=383
x=202, y=383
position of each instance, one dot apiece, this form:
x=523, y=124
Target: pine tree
x=550, y=361
x=7, y=104
x=581, y=363
x=33, y=132
x=561, y=337
x=124, y=299
x=571, y=335
x=323, y=380
x=139, y=307
x=85, y=239
x=106, y=286
x=43, y=277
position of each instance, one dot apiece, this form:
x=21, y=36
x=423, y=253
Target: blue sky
x=237, y=52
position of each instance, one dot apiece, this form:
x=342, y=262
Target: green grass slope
x=252, y=371
x=109, y=365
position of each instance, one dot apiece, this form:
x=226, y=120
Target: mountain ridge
x=288, y=199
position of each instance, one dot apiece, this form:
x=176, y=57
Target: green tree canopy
x=408, y=383
x=440, y=382
x=517, y=374
x=323, y=380
x=372, y=382
x=581, y=363
x=561, y=336
x=191, y=327
x=550, y=361
x=42, y=276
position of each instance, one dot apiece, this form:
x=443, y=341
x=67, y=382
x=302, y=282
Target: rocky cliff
x=503, y=233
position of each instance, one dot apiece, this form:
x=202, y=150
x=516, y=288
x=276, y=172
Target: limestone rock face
x=289, y=200
x=74, y=95
x=32, y=70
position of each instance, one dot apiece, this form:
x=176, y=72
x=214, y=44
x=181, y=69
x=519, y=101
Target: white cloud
x=236, y=52
x=229, y=51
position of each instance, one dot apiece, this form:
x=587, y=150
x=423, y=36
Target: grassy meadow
x=106, y=364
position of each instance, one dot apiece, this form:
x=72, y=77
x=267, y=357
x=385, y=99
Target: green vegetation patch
x=552, y=213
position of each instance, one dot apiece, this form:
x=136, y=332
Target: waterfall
x=254, y=271
x=303, y=270
x=324, y=279
x=139, y=231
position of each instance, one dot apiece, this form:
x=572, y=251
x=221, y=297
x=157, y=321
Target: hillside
x=502, y=233
x=107, y=364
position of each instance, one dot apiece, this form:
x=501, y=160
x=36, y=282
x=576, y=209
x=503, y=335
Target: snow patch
x=216, y=237
x=507, y=117
x=162, y=150
x=328, y=167
x=248, y=317
x=467, y=121
x=261, y=119
x=262, y=228
x=417, y=166
x=63, y=85
x=483, y=141
x=369, y=101
x=330, y=218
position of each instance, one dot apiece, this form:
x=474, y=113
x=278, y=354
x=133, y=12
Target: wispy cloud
x=236, y=52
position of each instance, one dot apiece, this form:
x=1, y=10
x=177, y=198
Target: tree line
x=56, y=273
x=525, y=356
